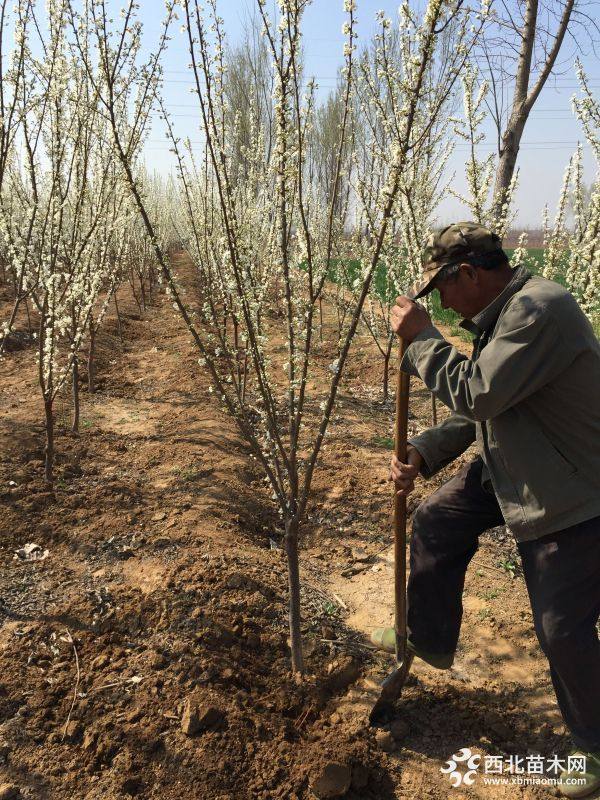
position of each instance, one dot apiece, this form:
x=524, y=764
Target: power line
x=535, y=111
x=563, y=113
x=529, y=146
x=566, y=79
x=591, y=84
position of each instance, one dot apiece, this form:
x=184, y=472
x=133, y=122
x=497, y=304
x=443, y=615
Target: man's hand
x=404, y=474
x=409, y=318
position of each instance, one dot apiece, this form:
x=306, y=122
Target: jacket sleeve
x=526, y=353
x=443, y=443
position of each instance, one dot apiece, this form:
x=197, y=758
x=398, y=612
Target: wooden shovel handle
x=400, y=441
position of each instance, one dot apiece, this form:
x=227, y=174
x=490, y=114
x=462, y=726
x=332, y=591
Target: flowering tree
x=138, y=254
x=61, y=210
x=12, y=109
x=519, y=51
x=574, y=254
x=380, y=93
x=480, y=173
x=261, y=244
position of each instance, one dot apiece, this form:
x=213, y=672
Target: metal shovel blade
x=391, y=690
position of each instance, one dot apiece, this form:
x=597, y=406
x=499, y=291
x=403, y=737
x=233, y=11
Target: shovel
x=391, y=689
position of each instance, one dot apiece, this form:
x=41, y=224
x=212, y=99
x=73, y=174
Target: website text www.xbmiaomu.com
x=466, y=766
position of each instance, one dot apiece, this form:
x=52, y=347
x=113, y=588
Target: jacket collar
x=483, y=321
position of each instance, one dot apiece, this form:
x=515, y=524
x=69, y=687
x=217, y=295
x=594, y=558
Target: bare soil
x=164, y=589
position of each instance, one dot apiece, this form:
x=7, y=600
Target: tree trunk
x=386, y=377
x=511, y=142
x=320, y=318
x=245, y=374
x=75, y=426
x=434, y=416
x=134, y=293
x=90, y=363
x=511, y=138
x=49, y=468
x=119, y=326
x=151, y=285
x=386, y=368
x=524, y=97
x=291, y=549
x=142, y=292
x=236, y=346
x=11, y=322
x=29, y=328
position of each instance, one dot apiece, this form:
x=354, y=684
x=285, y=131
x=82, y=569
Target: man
x=530, y=397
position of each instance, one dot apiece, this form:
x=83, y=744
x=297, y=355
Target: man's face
x=462, y=292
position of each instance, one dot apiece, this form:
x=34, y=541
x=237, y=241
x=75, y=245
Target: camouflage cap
x=450, y=246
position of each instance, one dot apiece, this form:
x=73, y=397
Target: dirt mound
x=162, y=586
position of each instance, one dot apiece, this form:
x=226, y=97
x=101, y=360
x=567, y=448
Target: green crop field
x=535, y=261
x=346, y=271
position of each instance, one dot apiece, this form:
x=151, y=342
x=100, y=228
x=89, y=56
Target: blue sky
x=550, y=137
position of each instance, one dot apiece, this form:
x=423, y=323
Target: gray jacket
x=529, y=396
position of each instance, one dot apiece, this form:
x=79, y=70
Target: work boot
x=590, y=779
x=385, y=639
